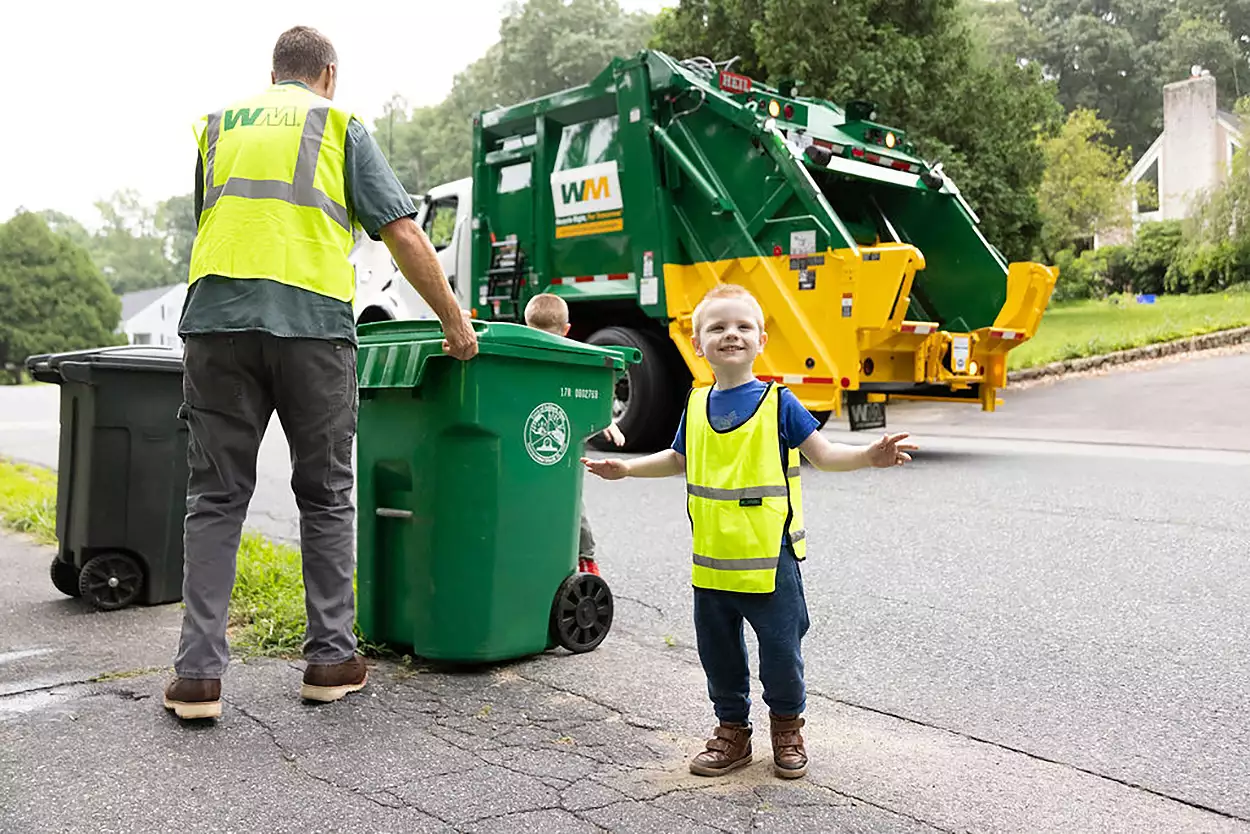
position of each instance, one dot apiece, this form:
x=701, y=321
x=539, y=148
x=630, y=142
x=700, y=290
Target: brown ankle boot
x=789, y=752
x=329, y=682
x=192, y=699
x=729, y=748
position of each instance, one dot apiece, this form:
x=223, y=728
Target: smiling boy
x=738, y=444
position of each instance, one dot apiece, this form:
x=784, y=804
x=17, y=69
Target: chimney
x=1190, y=153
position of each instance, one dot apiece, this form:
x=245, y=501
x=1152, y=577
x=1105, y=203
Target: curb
x=1207, y=341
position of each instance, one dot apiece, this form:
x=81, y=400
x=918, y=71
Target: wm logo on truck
x=577, y=192
x=586, y=190
x=249, y=116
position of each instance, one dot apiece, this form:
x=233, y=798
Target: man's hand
x=890, y=451
x=610, y=469
x=613, y=433
x=418, y=261
x=461, y=341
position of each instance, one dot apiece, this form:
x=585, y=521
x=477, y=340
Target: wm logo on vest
x=247, y=117
x=587, y=200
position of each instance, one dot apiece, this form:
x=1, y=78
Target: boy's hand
x=614, y=434
x=610, y=469
x=890, y=451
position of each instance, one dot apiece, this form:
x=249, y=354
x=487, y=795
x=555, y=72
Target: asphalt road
x=1066, y=578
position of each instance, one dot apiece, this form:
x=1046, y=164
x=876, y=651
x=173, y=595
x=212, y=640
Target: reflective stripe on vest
x=275, y=203
x=300, y=191
x=740, y=498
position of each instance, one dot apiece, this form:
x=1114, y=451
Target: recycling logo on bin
x=547, y=434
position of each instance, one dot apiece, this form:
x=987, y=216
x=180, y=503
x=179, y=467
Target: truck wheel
x=645, y=403
x=823, y=417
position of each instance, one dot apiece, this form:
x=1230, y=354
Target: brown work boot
x=728, y=749
x=789, y=752
x=190, y=698
x=329, y=682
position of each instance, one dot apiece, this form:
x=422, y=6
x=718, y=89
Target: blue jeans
x=779, y=620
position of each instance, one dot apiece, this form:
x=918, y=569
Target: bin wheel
x=582, y=613
x=110, y=581
x=65, y=577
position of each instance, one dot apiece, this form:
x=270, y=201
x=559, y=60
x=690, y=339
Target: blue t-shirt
x=732, y=407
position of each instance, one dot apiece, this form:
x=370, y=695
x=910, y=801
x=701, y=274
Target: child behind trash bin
x=550, y=313
x=736, y=445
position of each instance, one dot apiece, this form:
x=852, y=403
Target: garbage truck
x=633, y=195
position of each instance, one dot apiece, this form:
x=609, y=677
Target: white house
x=150, y=317
x=1192, y=155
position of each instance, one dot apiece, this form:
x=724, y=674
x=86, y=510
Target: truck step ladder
x=504, y=279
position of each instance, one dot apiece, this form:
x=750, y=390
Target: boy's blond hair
x=547, y=311
x=726, y=291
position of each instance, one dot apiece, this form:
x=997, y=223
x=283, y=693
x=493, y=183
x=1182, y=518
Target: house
x=1193, y=155
x=150, y=317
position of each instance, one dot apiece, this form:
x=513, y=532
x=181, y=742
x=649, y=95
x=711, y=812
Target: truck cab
x=382, y=292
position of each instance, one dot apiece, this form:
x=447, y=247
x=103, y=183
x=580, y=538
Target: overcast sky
x=101, y=96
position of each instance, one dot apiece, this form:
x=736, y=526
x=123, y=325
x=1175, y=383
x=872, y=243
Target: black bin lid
x=77, y=364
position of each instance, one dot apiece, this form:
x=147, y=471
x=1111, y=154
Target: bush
x=1094, y=274
x=1209, y=267
x=1152, y=254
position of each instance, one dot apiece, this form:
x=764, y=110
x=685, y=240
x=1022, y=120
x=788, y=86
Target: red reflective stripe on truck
x=921, y=329
x=1010, y=335
x=587, y=279
x=797, y=379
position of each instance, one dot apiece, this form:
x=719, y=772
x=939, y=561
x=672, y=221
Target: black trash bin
x=122, y=474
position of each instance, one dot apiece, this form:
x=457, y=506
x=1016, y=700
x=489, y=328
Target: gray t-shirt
x=216, y=304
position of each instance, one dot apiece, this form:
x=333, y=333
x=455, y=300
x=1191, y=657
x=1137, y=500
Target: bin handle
x=388, y=512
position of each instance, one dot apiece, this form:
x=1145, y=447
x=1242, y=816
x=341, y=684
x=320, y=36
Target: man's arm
x=416, y=259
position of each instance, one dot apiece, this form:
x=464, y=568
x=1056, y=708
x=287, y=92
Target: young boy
x=550, y=313
x=738, y=445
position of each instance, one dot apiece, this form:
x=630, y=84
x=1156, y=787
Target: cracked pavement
x=553, y=743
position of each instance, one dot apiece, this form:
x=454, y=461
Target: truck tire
x=646, y=403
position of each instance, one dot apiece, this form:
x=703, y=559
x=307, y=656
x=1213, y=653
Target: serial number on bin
x=580, y=393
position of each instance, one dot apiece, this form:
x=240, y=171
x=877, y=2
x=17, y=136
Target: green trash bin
x=122, y=474
x=469, y=490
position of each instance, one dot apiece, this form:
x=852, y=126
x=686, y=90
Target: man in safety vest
x=738, y=445
x=284, y=181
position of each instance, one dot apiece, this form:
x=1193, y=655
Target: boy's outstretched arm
x=839, y=457
x=659, y=465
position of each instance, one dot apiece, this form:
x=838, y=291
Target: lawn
x=267, y=607
x=1089, y=328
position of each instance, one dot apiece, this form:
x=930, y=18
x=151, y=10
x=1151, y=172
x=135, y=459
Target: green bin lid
x=393, y=354
x=77, y=364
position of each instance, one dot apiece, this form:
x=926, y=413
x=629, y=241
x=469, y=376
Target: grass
x=267, y=615
x=1089, y=328
x=28, y=500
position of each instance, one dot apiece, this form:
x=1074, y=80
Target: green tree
x=976, y=111
x=52, y=297
x=129, y=248
x=175, y=223
x=544, y=46
x=1082, y=189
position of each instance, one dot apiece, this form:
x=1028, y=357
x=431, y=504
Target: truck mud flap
x=863, y=414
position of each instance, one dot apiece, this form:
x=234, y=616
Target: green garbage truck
x=633, y=195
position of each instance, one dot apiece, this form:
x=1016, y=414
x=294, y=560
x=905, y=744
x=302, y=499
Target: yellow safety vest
x=740, y=497
x=275, y=203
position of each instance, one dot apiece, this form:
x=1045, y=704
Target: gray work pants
x=232, y=385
